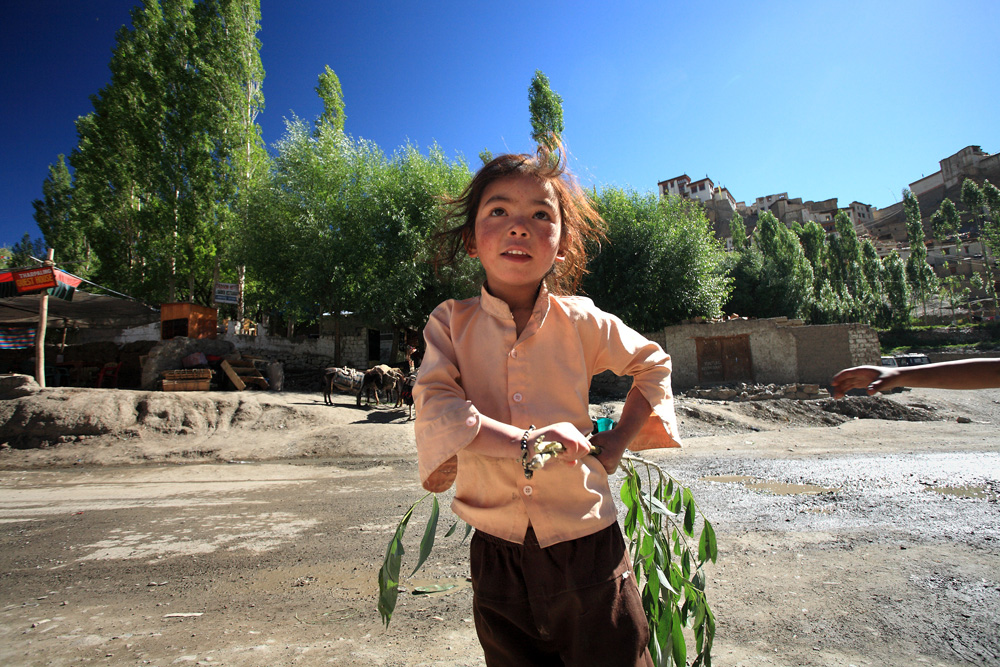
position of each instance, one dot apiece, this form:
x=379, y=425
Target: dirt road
x=870, y=542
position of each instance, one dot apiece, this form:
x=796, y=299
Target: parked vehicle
x=889, y=361
x=912, y=359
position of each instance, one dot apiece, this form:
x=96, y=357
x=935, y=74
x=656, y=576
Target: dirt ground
x=864, y=531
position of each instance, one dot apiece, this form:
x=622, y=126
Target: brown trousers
x=575, y=603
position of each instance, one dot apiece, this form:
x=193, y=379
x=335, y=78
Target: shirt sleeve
x=624, y=351
x=446, y=420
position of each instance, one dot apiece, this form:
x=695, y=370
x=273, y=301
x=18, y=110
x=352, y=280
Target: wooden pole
x=43, y=318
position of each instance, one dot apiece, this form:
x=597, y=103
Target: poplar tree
x=919, y=274
x=897, y=289
x=171, y=146
x=974, y=200
x=59, y=221
x=545, y=107
x=772, y=277
x=330, y=92
x=738, y=231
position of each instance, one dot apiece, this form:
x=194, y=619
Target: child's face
x=518, y=237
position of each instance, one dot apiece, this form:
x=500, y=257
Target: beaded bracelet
x=524, y=452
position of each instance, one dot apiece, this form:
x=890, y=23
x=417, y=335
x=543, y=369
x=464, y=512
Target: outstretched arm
x=961, y=374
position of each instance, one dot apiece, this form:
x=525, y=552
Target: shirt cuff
x=438, y=444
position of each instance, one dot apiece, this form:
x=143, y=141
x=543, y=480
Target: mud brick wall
x=822, y=350
x=772, y=349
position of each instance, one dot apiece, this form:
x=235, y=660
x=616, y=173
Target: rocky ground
x=863, y=531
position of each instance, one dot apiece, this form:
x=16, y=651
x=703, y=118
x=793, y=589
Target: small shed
x=775, y=350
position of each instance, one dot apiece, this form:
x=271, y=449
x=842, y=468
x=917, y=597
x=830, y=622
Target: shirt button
x=471, y=421
x=527, y=490
x=517, y=397
x=513, y=354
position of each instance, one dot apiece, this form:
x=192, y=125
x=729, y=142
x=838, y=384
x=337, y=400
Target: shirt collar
x=499, y=309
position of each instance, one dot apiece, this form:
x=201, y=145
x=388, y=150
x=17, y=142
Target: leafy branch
x=667, y=560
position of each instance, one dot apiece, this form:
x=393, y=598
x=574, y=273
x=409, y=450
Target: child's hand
x=575, y=444
x=611, y=447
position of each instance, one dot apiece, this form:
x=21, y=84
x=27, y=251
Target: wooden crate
x=185, y=385
x=188, y=319
x=188, y=374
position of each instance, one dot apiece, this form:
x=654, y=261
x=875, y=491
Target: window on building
x=701, y=187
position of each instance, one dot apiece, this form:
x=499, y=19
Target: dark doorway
x=724, y=359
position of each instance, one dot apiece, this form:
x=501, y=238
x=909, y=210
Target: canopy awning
x=85, y=311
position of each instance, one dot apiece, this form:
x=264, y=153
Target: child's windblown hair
x=581, y=223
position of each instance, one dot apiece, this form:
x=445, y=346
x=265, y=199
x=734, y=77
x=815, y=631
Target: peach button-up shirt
x=475, y=364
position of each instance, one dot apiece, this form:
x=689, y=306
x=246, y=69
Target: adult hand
x=871, y=378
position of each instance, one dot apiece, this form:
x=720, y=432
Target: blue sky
x=818, y=99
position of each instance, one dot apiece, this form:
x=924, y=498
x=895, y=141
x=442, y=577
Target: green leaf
x=689, y=514
x=430, y=530
x=436, y=588
x=468, y=529
x=675, y=502
x=708, y=549
x=655, y=505
x=679, y=648
x=665, y=581
x=451, y=531
x=388, y=575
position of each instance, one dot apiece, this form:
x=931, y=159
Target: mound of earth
x=70, y=426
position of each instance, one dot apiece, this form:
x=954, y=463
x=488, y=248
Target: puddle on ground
x=769, y=486
x=977, y=492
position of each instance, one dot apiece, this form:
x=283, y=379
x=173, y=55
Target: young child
x=551, y=576
x=959, y=374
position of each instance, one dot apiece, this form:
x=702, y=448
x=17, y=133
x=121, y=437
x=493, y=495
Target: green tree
x=167, y=151
x=24, y=253
x=232, y=52
x=975, y=201
x=738, y=231
x=817, y=251
x=545, y=107
x=661, y=263
x=946, y=222
x=897, y=288
x=919, y=274
x=872, y=298
x=991, y=229
x=845, y=256
x=58, y=220
x=787, y=280
x=772, y=278
x=330, y=92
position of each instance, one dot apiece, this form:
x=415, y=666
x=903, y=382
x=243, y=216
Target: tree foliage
x=59, y=222
x=171, y=146
x=330, y=92
x=772, y=277
x=349, y=226
x=24, y=253
x=661, y=263
x=545, y=108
